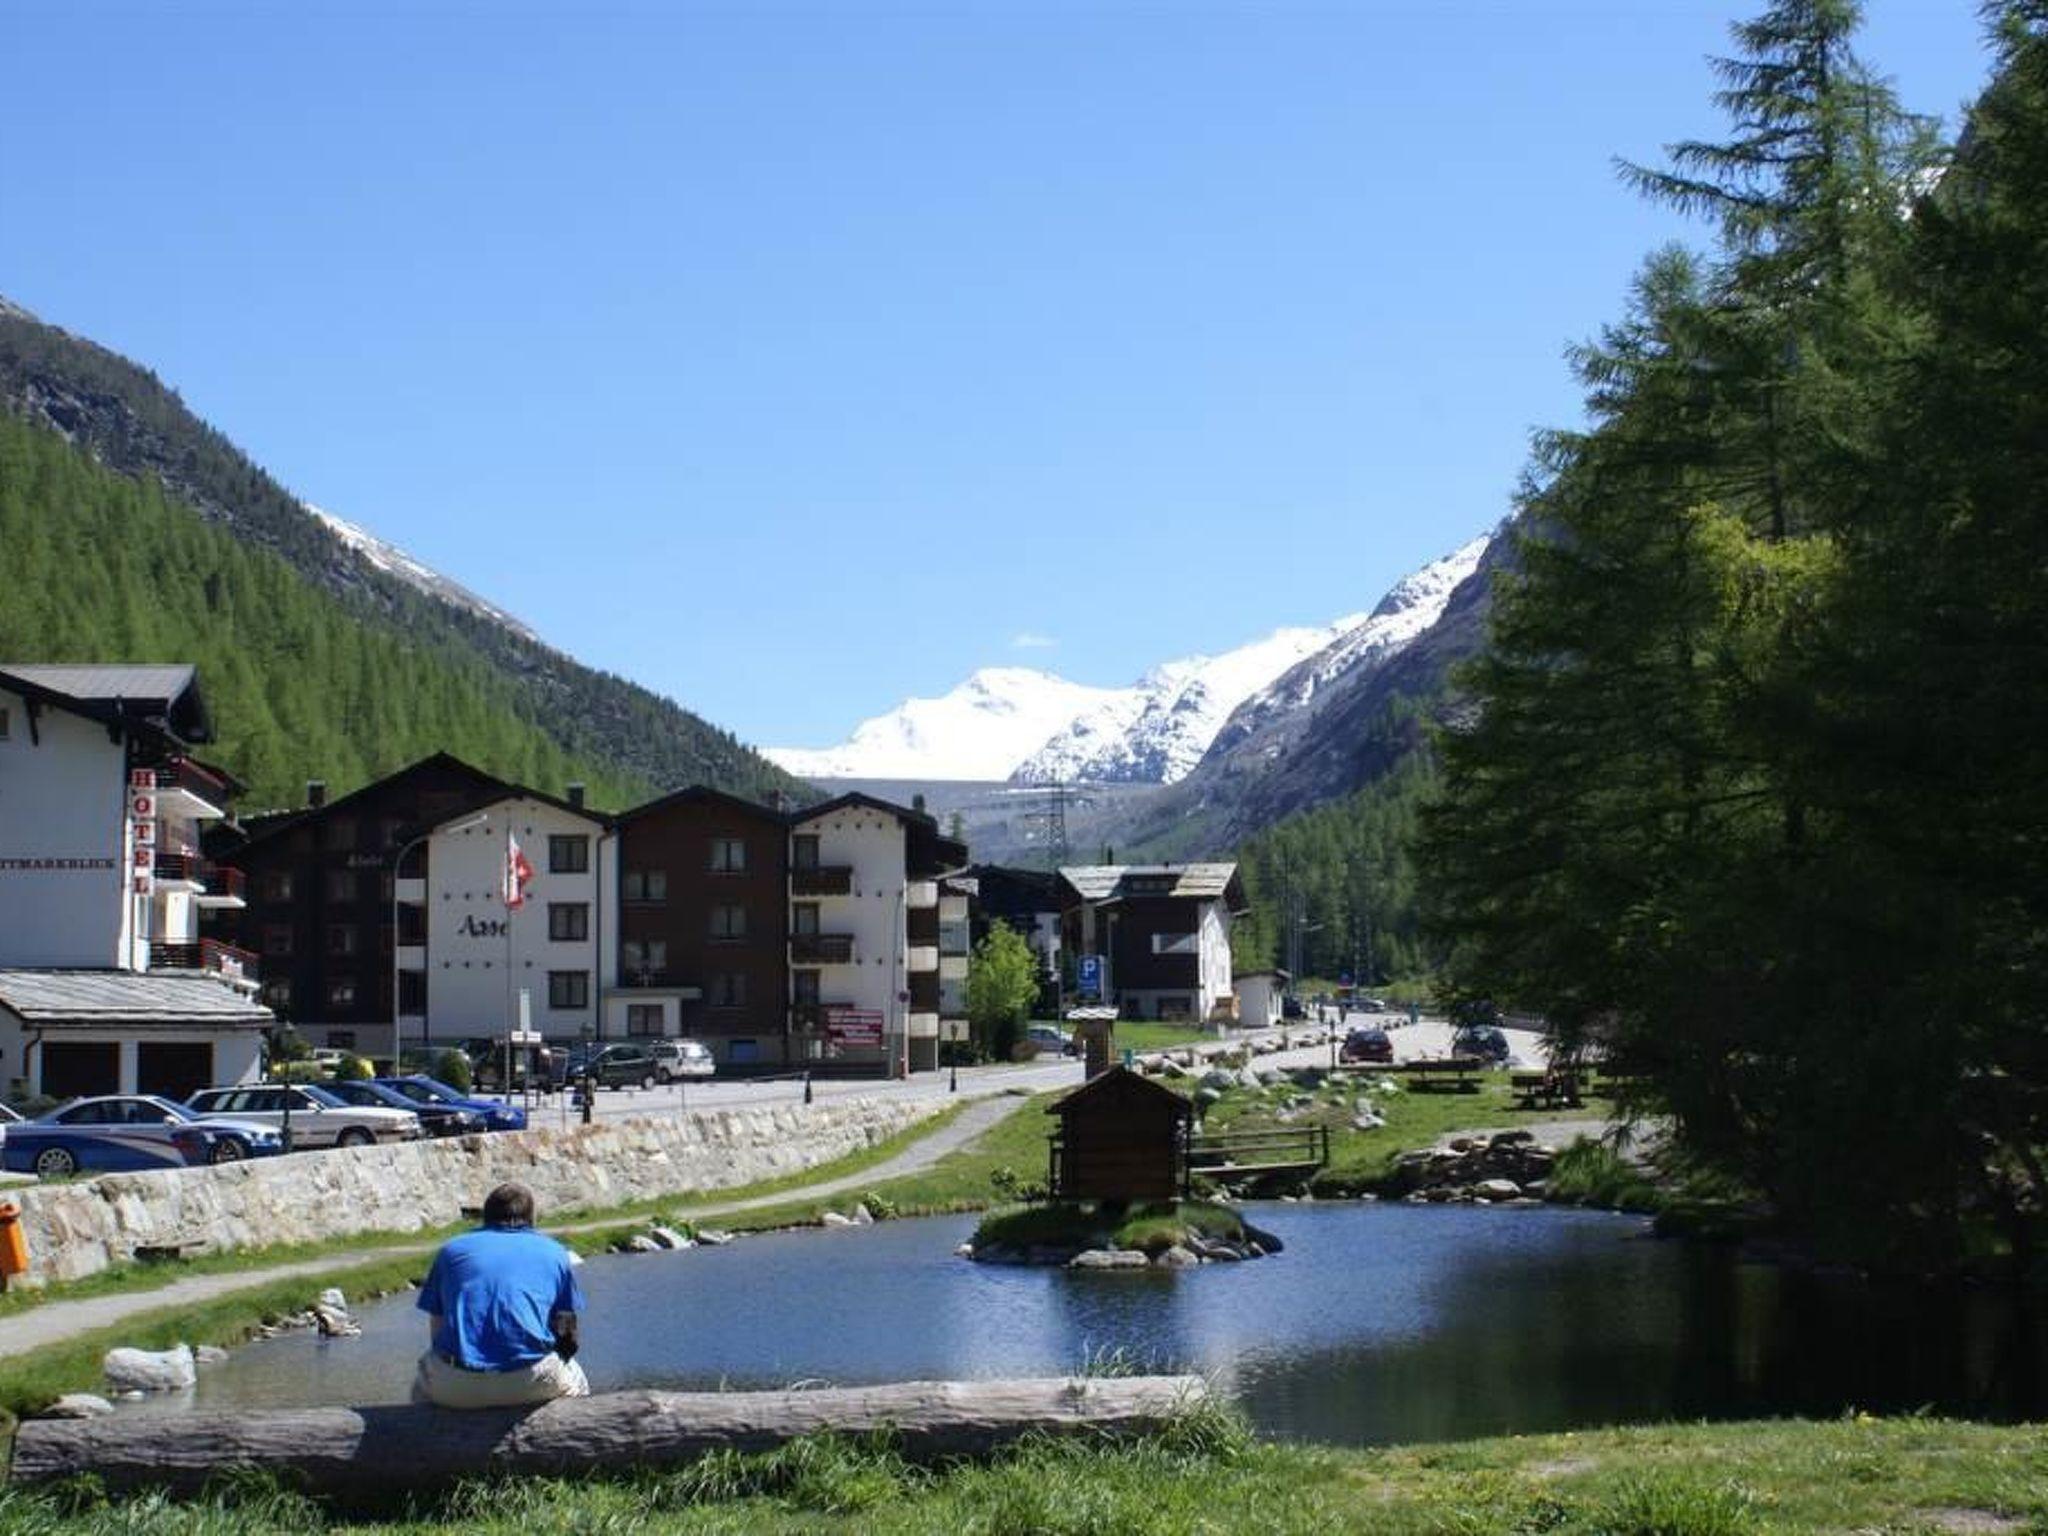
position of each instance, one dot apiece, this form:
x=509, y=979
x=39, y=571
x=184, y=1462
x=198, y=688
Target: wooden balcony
x=821, y=949
x=825, y=880
x=921, y=925
x=206, y=955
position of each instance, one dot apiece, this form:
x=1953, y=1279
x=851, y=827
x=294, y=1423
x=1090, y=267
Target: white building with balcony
x=105, y=983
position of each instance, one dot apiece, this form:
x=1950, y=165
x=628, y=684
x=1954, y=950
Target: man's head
x=509, y=1205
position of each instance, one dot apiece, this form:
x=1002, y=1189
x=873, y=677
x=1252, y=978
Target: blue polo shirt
x=495, y=1291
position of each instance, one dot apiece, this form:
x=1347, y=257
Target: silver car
x=680, y=1058
x=318, y=1118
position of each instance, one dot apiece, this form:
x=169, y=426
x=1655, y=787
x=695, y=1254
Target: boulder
x=1206, y=1096
x=712, y=1237
x=1367, y=1121
x=1247, y=1078
x=669, y=1237
x=834, y=1219
x=863, y=1217
x=144, y=1370
x=334, y=1322
x=641, y=1242
x=209, y=1354
x=1219, y=1080
x=1510, y=1139
x=77, y=1405
x=964, y=1251
x=1497, y=1189
x=332, y=1297
x=1176, y=1257
x=1108, y=1258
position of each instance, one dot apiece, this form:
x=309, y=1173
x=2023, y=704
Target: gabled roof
x=705, y=794
x=1119, y=1082
x=161, y=696
x=930, y=852
x=261, y=828
x=1110, y=882
x=504, y=792
x=865, y=801
x=53, y=997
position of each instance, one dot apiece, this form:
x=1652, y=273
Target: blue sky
x=794, y=358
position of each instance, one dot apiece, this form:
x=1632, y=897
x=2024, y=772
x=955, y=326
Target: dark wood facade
x=1123, y=1137
x=318, y=888
x=704, y=919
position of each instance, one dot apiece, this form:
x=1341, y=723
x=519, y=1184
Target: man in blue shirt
x=502, y=1303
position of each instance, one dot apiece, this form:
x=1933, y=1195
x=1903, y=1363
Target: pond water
x=1379, y=1323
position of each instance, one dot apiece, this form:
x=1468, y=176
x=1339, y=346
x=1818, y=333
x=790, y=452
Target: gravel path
x=61, y=1320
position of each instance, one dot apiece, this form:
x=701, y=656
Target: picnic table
x=1550, y=1089
x=1441, y=1074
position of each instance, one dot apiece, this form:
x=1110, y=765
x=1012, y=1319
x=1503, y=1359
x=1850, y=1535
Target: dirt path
x=61, y=1320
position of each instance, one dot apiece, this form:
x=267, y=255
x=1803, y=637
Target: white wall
x=1215, y=936
x=468, y=991
x=65, y=799
x=237, y=1054
x=873, y=845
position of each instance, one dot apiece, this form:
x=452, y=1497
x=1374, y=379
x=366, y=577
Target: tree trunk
x=372, y=1451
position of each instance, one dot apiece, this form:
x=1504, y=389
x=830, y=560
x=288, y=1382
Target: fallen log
x=358, y=1452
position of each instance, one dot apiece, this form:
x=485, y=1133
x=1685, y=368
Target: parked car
x=1483, y=1041
x=680, y=1058
x=7, y=1117
x=318, y=1118
x=1050, y=1037
x=119, y=1132
x=424, y=1092
x=1366, y=1045
x=436, y=1119
x=614, y=1066
x=543, y=1068
x=1291, y=1008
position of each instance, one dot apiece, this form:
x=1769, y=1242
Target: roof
x=1119, y=1082
x=163, y=696
x=126, y=997
x=930, y=853
x=265, y=825
x=702, y=793
x=870, y=802
x=1109, y=882
x=504, y=792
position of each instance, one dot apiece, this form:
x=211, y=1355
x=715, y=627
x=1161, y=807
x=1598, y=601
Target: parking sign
x=1091, y=976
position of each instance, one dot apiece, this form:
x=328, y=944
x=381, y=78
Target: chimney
x=778, y=800
x=316, y=794
x=576, y=796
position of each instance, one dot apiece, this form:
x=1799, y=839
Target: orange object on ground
x=13, y=1242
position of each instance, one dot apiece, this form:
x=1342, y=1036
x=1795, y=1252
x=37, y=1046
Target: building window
x=277, y=938
x=341, y=885
x=341, y=993
x=728, y=990
x=805, y=985
x=640, y=957
x=277, y=996
x=728, y=855
x=728, y=923
x=341, y=939
x=568, y=989
x=341, y=834
x=643, y=1018
x=1176, y=943
x=803, y=851
x=646, y=885
x=568, y=854
x=341, y=1039
x=277, y=885
x=568, y=921
x=3, y=725
x=803, y=919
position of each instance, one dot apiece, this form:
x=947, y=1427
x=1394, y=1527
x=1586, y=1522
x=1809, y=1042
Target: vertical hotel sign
x=142, y=813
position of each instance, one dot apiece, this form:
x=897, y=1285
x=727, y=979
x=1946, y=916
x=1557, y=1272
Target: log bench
x=364, y=1453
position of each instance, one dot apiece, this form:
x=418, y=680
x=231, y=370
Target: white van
x=674, y=1059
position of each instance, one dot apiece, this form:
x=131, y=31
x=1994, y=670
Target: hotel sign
x=142, y=814
x=853, y=1026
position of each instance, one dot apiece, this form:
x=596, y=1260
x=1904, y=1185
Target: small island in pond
x=1109, y=1234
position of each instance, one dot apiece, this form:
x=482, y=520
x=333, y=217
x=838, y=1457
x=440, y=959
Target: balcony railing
x=821, y=949
x=921, y=925
x=648, y=977
x=825, y=880
x=173, y=868
x=206, y=955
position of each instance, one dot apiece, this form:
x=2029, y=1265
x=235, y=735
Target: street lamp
x=482, y=818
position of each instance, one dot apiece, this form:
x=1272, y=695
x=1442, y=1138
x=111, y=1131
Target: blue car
x=421, y=1089
x=120, y=1133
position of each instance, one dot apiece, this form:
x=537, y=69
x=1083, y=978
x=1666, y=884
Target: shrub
x=355, y=1069
x=452, y=1067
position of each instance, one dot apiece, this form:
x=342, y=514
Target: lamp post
x=397, y=873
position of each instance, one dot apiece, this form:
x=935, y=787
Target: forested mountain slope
x=124, y=417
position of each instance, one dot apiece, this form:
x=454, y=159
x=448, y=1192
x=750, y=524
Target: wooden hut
x=1121, y=1137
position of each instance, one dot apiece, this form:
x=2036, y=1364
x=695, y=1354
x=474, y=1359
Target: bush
x=452, y=1067
x=354, y=1069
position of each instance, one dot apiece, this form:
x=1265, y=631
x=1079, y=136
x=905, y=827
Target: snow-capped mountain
x=1157, y=736
x=980, y=730
x=394, y=561
x=1033, y=727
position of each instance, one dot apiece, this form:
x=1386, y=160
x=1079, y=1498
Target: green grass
x=1207, y=1475
x=1133, y=1036
x=1360, y=1160
x=1149, y=1228
x=1593, y=1173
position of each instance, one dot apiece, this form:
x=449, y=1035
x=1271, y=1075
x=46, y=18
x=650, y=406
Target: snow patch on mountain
x=980, y=730
x=394, y=561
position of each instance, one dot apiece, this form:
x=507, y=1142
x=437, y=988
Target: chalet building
x=1160, y=934
x=321, y=887
x=703, y=924
x=864, y=939
x=470, y=964
x=1028, y=902
x=105, y=982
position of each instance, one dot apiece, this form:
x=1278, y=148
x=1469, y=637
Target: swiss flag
x=517, y=873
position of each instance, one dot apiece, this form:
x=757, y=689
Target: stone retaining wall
x=80, y=1229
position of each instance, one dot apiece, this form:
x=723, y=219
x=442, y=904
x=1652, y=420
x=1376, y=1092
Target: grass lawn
x=1360, y=1159
x=1892, y=1476
x=1133, y=1036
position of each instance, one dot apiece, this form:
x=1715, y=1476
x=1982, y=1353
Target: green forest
x=99, y=567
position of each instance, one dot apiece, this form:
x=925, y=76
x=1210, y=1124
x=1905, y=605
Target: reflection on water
x=1379, y=1323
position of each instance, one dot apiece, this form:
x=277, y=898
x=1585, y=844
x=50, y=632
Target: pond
x=1380, y=1323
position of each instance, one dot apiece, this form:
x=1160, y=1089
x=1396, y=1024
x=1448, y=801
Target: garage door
x=173, y=1068
x=71, y=1068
